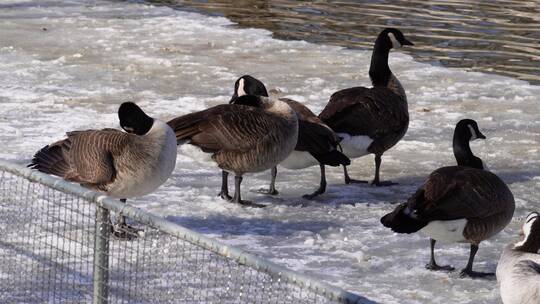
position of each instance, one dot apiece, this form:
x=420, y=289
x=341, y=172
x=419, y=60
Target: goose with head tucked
x=316, y=143
x=371, y=120
x=518, y=270
x=463, y=203
x=252, y=135
x=120, y=164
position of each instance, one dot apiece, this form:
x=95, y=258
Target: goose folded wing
x=457, y=192
x=91, y=155
x=315, y=138
x=371, y=112
x=227, y=127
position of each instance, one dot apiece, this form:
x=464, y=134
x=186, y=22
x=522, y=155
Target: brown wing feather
x=376, y=112
x=92, y=153
x=460, y=192
x=225, y=127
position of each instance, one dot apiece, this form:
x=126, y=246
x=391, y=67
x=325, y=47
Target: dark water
x=500, y=37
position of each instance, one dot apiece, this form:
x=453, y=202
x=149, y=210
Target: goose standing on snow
x=122, y=165
x=252, y=135
x=457, y=203
x=518, y=271
x=316, y=141
x=371, y=120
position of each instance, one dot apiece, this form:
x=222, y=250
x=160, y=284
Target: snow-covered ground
x=67, y=65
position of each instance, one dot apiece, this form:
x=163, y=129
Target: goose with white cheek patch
x=457, y=204
x=518, y=271
x=120, y=164
x=252, y=135
x=316, y=141
x=371, y=120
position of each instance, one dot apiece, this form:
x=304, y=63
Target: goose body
x=456, y=204
x=242, y=138
x=518, y=270
x=120, y=164
x=371, y=120
x=317, y=143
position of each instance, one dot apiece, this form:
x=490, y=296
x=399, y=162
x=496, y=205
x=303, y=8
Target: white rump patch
x=240, y=91
x=355, y=146
x=299, y=160
x=395, y=42
x=474, y=135
x=446, y=231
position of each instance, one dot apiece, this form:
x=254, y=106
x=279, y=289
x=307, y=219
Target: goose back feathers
x=452, y=193
x=242, y=138
x=121, y=164
x=377, y=113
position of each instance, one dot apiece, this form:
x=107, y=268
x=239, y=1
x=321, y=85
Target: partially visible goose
x=122, y=165
x=518, y=271
x=371, y=120
x=316, y=141
x=253, y=135
x=457, y=204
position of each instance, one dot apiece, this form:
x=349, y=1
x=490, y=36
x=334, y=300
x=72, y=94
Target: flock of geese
x=256, y=132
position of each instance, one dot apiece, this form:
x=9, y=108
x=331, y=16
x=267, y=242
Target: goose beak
x=406, y=42
x=481, y=136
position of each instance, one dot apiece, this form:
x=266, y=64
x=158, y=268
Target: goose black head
x=531, y=234
x=248, y=85
x=467, y=129
x=392, y=38
x=133, y=119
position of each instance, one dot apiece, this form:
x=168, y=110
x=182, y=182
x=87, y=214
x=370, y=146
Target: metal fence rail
x=55, y=247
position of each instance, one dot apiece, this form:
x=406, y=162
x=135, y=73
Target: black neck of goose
x=379, y=71
x=532, y=245
x=464, y=155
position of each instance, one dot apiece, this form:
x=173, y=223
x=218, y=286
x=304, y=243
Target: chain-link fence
x=56, y=247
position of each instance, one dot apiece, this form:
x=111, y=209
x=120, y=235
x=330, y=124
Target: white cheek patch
x=473, y=133
x=240, y=91
x=527, y=228
x=395, y=42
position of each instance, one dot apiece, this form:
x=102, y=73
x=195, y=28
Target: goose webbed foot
x=354, y=181
x=224, y=195
x=313, y=195
x=383, y=183
x=434, y=267
x=267, y=191
x=474, y=274
x=249, y=204
x=125, y=231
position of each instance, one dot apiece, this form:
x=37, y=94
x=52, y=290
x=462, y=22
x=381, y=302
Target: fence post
x=101, y=257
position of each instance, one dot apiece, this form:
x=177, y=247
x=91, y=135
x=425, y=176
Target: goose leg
x=432, y=265
x=349, y=180
x=224, y=193
x=272, y=190
x=376, y=181
x=322, y=185
x=468, y=272
x=122, y=230
x=237, y=199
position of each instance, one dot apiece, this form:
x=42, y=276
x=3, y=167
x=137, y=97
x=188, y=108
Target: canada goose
x=254, y=134
x=518, y=271
x=316, y=141
x=122, y=165
x=456, y=204
x=371, y=120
